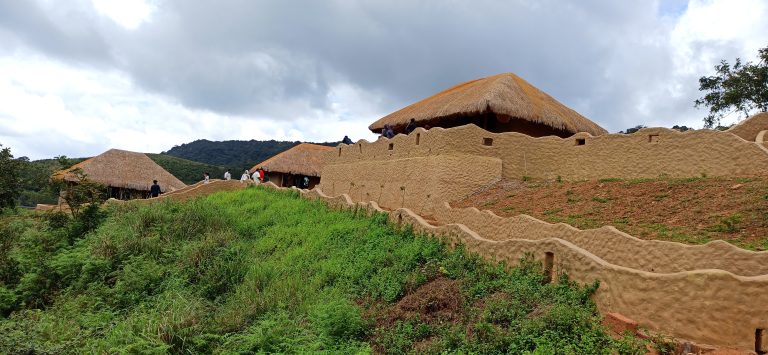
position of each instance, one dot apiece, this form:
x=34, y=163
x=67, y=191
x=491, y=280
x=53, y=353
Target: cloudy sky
x=80, y=76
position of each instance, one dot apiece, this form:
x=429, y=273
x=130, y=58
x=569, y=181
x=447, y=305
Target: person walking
x=154, y=190
x=206, y=178
x=227, y=175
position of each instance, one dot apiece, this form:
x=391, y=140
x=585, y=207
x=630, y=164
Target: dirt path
x=694, y=210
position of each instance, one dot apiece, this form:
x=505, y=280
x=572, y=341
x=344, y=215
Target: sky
x=78, y=77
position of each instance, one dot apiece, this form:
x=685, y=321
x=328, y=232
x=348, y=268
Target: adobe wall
x=420, y=183
x=750, y=127
x=612, y=245
x=648, y=153
x=703, y=305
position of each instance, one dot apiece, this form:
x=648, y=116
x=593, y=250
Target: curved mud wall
x=703, y=305
x=648, y=153
x=750, y=127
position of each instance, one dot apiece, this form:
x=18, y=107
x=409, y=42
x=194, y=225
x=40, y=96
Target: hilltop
x=259, y=270
x=233, y=153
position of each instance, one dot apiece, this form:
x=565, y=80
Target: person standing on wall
x=227, y=175
x=411, y=126
x=154, y=190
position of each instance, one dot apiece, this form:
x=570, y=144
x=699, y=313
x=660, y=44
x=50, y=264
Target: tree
x=82, y=192
x=742, y=88
x=10, y=182
x=633, y=129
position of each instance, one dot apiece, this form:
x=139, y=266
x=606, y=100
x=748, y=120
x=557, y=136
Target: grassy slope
x=260, y=270
x=188, y=171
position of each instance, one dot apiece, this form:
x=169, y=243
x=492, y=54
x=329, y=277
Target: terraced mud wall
x=648, y=153
x=690, y=300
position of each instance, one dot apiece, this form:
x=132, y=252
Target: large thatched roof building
x=126, y=174
x=289, y=168
x=499, y=103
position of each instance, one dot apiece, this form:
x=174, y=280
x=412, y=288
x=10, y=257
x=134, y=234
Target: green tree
x=10, y=182
x=742, y=88
x=82, y=192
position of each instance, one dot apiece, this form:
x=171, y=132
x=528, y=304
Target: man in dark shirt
x=154, y=191
x=411, y=126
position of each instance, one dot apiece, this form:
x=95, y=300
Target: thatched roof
x=303, y=159
x=121, y=168
x=505, y=95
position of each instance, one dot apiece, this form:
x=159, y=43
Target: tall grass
x=266, y=271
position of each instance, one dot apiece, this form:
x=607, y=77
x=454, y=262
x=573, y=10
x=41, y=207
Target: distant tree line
x=233, y=154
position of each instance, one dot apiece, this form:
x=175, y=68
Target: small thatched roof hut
x=289, y=167
x=304, y=159
x=123, y=169
x=499, y=103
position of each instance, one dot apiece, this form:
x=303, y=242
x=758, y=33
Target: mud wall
x=420, y=183
x=709, y=306
x=648, y=153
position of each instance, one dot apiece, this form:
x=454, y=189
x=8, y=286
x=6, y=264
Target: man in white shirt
x=227, y=176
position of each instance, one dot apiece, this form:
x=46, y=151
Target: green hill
x=233, y=154
x=189, y=171
x=263, y=271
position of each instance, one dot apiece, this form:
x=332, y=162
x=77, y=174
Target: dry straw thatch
x=303, y=159
x=124, y=169
x=505, y=95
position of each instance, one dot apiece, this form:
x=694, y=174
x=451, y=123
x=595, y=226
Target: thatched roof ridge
x=506, y=95
x=303, y=159
x=124, y=169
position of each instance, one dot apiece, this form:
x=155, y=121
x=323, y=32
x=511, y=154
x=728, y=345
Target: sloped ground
x=694, y=210
x=264, y=271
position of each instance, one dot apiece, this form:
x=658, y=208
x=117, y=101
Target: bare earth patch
x=694, y=210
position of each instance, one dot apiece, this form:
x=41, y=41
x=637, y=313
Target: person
x=411, y=126
x=245, y=177
x=346, y=140
x=261, y=174
x=306, y=182
x=227, y=175
x=206, y=178
x=387, y=132
x=154, y=190
x=256, y=176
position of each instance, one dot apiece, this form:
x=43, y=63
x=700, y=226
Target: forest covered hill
x=232, y=153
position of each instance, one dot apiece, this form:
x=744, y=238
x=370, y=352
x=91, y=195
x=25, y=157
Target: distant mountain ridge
x=233, y=154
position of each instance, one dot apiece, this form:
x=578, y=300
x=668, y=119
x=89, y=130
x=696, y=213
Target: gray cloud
x=610, y=60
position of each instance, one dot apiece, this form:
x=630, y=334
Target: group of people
x=389, y=132
x=258, y=176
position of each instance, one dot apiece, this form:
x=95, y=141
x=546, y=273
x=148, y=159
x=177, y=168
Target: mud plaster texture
x=648, y=153
x=707, y=306
x=420, y=183
x=711, y=294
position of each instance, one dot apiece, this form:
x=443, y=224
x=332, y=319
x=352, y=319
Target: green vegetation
x=742, y=88
x=602, y=181
x=10, y=179
x=267, y=271
x=599, y=199
x=728, y=224
x=190, y=172
x=239, y=154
